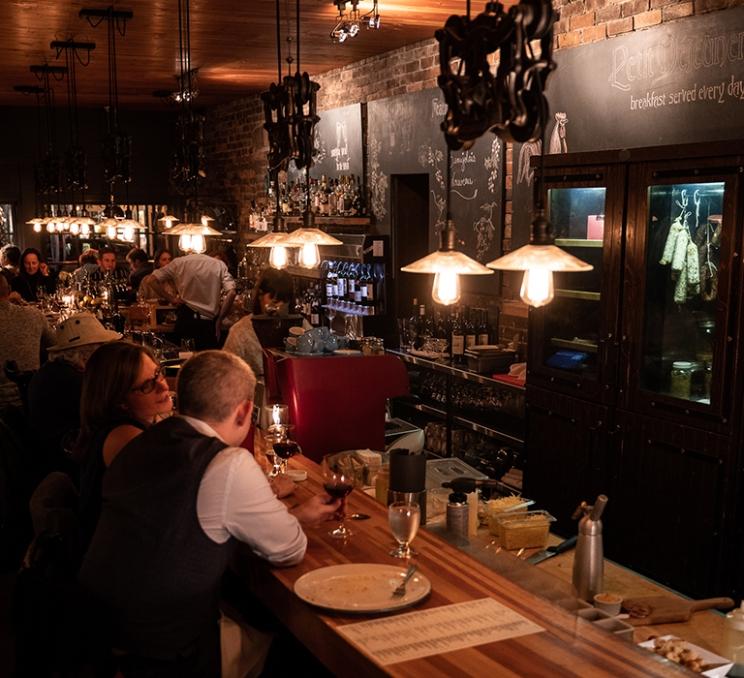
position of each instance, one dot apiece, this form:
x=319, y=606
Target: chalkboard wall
x=680, y=82
x=404, y=137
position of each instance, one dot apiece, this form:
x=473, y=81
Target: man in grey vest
x=173, y=500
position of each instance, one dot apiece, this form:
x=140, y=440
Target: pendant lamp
x=538, y=260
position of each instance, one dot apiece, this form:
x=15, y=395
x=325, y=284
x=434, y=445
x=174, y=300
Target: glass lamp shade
x=274, y=239
x=311, y=236
x=447, y=267
x=193, y=229
x=205, y=220
x=538, y=262
x=168, y=220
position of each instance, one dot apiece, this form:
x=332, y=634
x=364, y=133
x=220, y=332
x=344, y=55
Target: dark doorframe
x=410, y=239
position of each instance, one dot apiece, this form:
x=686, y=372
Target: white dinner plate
x=360, y=587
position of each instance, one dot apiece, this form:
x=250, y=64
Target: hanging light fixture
x=168, y=220
x=192, y=236
x=447, y=263
x=349, y=25
x=511, y=104
x=117, y=144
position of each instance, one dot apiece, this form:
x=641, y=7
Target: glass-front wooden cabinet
x=569, y=345
x=678, y=319
x=636, y=370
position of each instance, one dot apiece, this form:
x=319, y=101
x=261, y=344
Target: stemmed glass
x=404, y=518
x=330, y=313
x=338, y=483
x=284, y=449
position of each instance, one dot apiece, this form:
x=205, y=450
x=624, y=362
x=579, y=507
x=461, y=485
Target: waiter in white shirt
x=206, y=291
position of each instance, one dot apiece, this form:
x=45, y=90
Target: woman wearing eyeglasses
x=124, y=392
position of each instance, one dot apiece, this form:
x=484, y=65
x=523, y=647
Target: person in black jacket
x=34, y=277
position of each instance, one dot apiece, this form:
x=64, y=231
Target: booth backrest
x=338, y=402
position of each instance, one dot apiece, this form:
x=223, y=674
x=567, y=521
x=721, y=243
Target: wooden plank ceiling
x=232, y=43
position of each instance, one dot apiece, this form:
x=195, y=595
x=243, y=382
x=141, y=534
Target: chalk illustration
x=557, y=144
x=484, y=231
x=492, y=163
x=378, y=181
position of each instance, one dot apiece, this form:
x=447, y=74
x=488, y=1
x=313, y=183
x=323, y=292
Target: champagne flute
x=338, y=483
x=404, y=518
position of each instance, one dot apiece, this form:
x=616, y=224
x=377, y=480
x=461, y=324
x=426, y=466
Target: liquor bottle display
x=342, y=196
x=354, y=287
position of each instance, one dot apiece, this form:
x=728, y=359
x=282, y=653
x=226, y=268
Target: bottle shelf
x=458, y=372
x=469, y=424
x=340, y=311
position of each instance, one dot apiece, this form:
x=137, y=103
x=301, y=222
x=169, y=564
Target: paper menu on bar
x=441, y=629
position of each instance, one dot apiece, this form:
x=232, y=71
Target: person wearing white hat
x=54, y=391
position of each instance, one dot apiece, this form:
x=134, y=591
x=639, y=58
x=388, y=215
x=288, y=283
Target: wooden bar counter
x=569, y=646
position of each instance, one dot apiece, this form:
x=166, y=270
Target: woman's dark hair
x=12, y=254
x=88, y=257
x=26, y=252
x=110, y=374
x=159, y=253
x=275, y=282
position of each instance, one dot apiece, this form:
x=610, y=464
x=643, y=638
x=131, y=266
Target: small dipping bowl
x=608, y=602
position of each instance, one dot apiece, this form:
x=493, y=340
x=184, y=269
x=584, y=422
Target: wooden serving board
x=665, y=609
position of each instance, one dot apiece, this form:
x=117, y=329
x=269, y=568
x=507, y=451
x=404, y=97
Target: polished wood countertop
x=569, y=646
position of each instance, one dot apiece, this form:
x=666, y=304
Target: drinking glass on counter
x=404, y=518
x=338, y=483
x=284, y=449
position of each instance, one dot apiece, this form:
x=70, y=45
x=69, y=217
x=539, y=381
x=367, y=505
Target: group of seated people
x=162, y=495
x=30, y=275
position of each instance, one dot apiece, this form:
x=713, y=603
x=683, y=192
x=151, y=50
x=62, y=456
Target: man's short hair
x=106, y=250
x=137, y=255
x=88, y=257
x=212, y=384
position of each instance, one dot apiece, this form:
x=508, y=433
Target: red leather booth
x=337, y=402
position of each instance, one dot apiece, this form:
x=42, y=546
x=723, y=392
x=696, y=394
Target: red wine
x=338, y=490
x=286, y=450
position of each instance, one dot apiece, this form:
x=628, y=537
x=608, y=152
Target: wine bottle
x=483, y=333
x=471, y=336
x=458, y=339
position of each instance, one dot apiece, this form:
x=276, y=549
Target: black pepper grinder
x=408, y=476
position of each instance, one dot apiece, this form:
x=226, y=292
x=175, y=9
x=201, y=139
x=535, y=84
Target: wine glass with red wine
x=284, y=450
x=338, y=483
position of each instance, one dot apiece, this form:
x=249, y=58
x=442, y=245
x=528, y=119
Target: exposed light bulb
x=278, y=257
x=75, y=228
x=128, y=233
x=342, y=35
x=111, y=232
x=50, y=227
x=184, y=243
x=309, y=256
x=198, y=244
x=374, y=21
x=446, y=288
x=537, y=287
x=353, y=30
x=85, y=230
x=37, y=228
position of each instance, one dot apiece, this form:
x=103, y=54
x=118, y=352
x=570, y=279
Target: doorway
x=410, y=238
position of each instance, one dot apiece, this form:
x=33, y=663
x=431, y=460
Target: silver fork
x=400, y=590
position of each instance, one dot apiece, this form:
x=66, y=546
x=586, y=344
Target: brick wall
x=235, y=143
